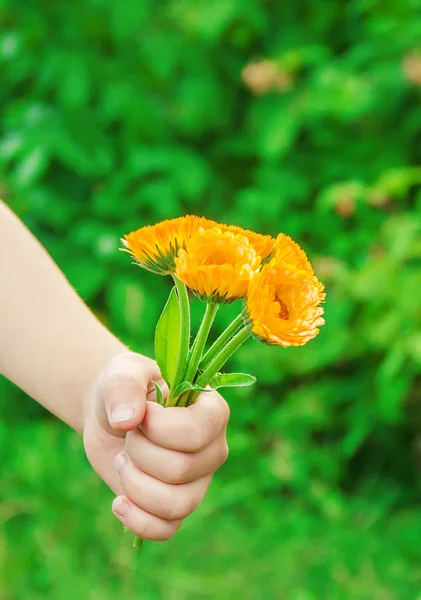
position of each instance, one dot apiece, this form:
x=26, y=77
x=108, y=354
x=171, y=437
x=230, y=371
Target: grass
x=59, y=540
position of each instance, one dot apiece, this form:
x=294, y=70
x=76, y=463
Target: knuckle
x=220, y=415
x=147, y=530
x=111, y=390
x=127, y=362
x=224, y=453
x=172, y=510
x=200, y=438
x=182, y=509
x=167, y=532
x=180, y=469
x=224, y=410
x=115, y=379
x=177, y=507
x=157, y=530
x=151, y=428
x=168, y=512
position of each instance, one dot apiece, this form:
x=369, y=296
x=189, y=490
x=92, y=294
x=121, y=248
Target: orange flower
x=289, y=252
x=217, y=265
x=283, y=302
x=155, y=246
x=263, y=244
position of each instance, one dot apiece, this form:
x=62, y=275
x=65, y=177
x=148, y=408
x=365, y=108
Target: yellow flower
x=283, y=301
x=289, y=252
x=263, y=244
x=217, y=265
x=155, y=246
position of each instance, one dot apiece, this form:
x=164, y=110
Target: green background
x=120, y=114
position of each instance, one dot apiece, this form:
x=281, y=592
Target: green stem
x=200, y=341
x=184, y=339
x=221, y=342
x=218, y=362
x=137, y=542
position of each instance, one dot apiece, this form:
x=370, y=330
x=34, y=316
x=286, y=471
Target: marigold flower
x=283, y=303
x=155, y=246
x=263, y=244
x=286, y=251
x=217, y=265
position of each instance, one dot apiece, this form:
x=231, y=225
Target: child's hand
x=161, y=459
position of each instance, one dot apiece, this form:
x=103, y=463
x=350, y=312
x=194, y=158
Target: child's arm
x=55, y=349
x=51, y=345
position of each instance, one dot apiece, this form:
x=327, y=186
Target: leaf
x=220, y=380
x=279, y=129
x=32, y=167
x=232, y=380
x=186, y=386
x=159, y=396
x=167, y=338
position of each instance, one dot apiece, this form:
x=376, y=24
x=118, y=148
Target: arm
x=45, y=328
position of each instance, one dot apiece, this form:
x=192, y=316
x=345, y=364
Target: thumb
x=122, y=391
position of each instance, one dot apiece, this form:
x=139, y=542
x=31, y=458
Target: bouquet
x=280, y=297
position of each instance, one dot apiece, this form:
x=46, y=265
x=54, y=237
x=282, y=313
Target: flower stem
x=137, y=542
x=221, y=342
x=220, y=359
x=184, y=339
x=200, y=341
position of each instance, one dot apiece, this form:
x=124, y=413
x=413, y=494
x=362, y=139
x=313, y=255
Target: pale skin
x=158, y=461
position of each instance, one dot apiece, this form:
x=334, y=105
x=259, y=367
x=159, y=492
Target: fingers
x=123, y=390
x=172, y=466
x=170, y=453
x=142, y=523
x=169, y=502
x=189, y=429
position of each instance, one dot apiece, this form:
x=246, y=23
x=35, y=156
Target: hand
x=162, y=458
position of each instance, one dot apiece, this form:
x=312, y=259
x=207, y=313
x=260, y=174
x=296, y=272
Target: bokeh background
x=302, y=117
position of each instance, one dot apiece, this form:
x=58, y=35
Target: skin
x=54, y=348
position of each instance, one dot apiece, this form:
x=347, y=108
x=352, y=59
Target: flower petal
x=155, y=247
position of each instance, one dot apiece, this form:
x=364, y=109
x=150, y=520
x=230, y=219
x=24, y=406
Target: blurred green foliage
x=302, y=117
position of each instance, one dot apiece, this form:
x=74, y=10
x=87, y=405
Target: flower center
x=283, y=312
x=219, y=256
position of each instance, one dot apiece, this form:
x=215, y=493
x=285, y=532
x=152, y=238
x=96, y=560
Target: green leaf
x=159, y=396
x=167, y=338
x=220, y=380
x=232, y=380
x=186, y=386
x=32, y=167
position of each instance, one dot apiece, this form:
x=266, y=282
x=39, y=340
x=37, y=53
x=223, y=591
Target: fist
x=159, y=461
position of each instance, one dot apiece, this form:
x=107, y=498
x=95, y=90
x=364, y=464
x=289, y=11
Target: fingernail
x=120, y=460
x=121, y=508
x=122, y=412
